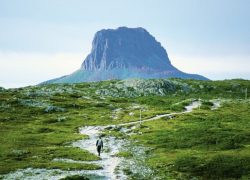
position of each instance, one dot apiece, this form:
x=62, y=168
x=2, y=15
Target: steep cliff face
x=125, y=53
x=126, y=48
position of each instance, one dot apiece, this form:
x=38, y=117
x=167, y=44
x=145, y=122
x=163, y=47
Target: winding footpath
x=109, y=162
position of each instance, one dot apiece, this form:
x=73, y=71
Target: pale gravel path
x=109, y=161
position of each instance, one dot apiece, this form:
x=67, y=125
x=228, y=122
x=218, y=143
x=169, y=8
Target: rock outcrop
x=125, y=53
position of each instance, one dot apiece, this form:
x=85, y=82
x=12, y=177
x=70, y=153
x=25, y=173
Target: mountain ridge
x=125, y=53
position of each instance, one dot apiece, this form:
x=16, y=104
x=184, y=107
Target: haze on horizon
x=43, y=39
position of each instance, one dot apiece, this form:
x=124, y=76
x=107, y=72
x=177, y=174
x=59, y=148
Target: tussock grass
x=206, y=144
x=38, y=123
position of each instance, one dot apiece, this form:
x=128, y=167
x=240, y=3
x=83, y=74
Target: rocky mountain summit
x=126, y=48
x=125, y=53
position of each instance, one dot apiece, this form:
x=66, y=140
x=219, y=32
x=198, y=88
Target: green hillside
x=39, y=124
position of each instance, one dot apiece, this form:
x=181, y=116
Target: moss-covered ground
x=206, y=144
x=39, y=123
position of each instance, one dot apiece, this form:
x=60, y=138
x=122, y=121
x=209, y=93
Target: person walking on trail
x=99, y=145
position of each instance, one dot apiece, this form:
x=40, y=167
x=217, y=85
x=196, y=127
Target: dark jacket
x=99, y=142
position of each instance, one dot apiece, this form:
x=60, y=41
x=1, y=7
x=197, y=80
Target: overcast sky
x=44, y=39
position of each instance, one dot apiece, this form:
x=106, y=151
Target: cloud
x=22, y=69
x=215, y=68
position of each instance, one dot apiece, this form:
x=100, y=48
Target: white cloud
x=23, y=69
x=215, y=68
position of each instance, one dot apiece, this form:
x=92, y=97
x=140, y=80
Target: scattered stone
x=50, y=109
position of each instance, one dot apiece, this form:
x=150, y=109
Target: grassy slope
x=207, y=144
x=32, y=134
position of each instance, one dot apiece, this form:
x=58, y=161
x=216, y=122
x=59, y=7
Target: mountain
x=125, y=53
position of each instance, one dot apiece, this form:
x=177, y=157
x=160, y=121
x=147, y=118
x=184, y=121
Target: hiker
x=99, y=145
